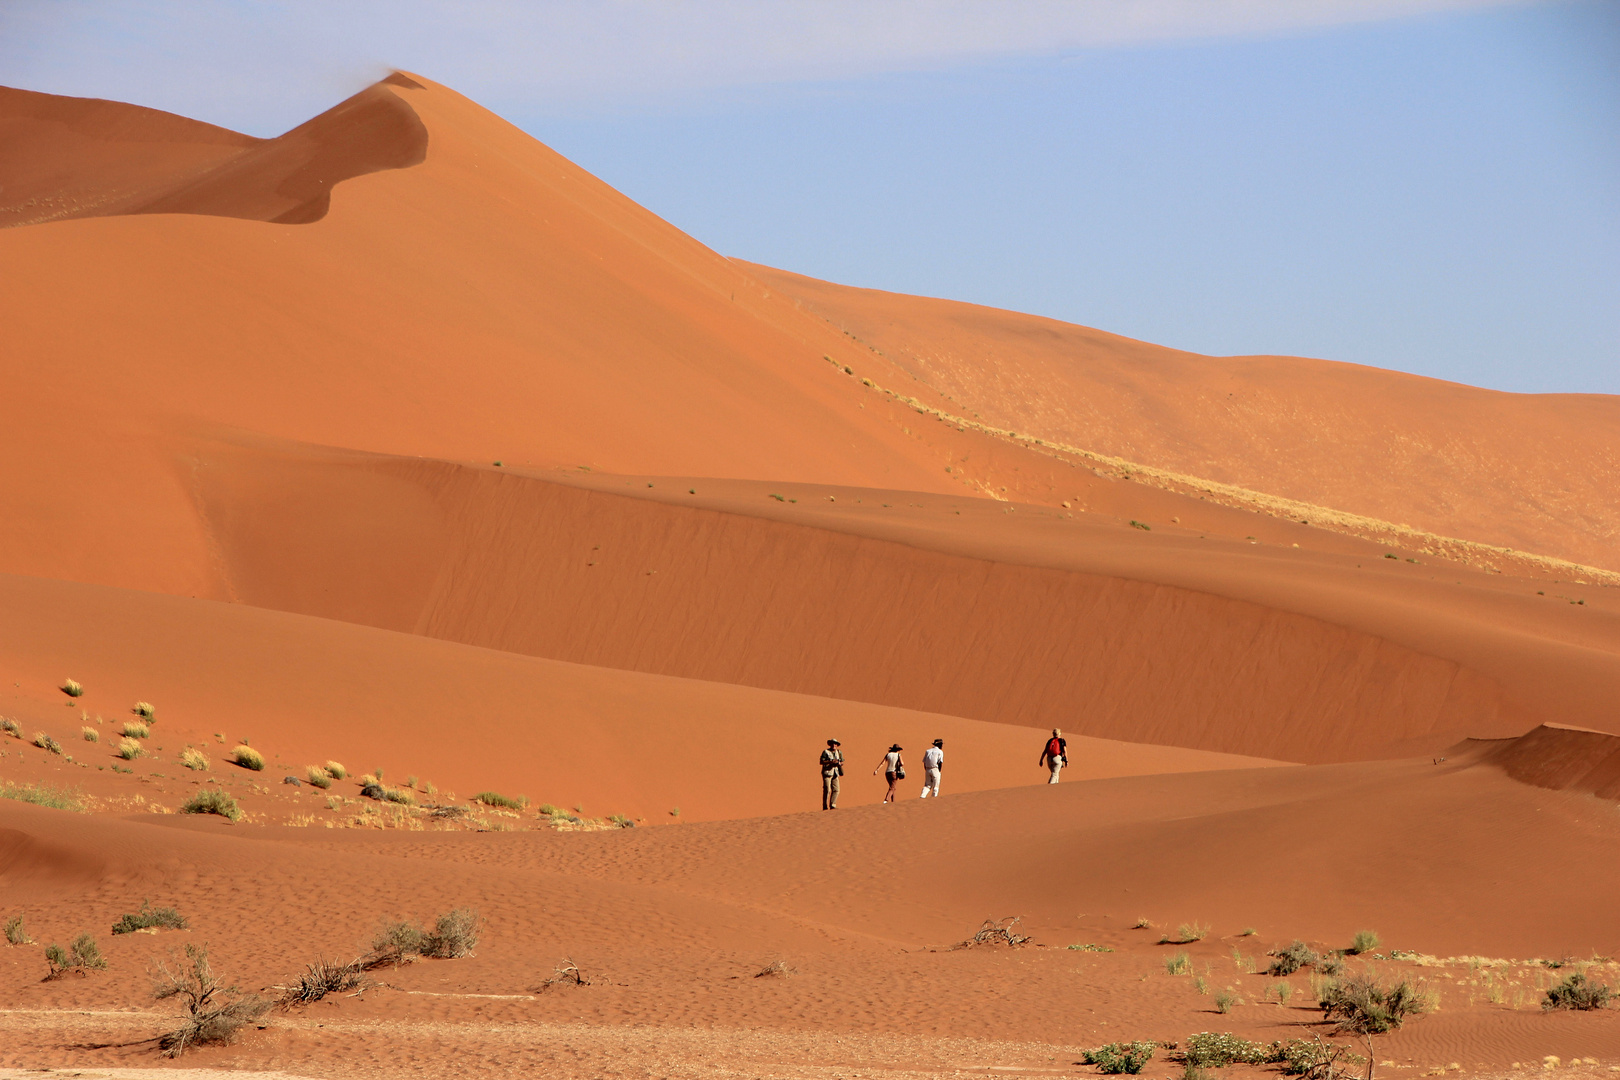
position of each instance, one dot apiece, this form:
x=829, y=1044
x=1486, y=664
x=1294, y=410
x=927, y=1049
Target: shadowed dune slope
x=942, y=604
x=1535, y=472
x=1562, y=758
x=307, y=690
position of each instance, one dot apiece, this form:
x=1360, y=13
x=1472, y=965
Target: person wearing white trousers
x=933, y=762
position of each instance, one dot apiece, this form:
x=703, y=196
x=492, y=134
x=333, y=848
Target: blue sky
x=1426, y=185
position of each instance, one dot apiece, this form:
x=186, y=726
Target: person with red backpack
x=1056, y=754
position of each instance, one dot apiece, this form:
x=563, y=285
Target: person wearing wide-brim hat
x=832, y=767
x=894, y=768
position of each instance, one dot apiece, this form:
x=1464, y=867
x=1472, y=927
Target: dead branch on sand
x=997, y=933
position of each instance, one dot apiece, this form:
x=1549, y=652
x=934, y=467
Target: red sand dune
x=401, y=440
x=1535, y=472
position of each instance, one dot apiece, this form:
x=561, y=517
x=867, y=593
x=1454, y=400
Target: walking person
x=894, y=768
x=832, y=767
x=933, y=762
x=1056, y=754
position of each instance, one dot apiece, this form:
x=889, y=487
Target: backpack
x=1054, y=748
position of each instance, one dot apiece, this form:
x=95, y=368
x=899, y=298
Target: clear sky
x=1427, y=185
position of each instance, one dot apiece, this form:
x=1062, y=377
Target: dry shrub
x=45, y=742
x=324, y=977
x=130, y=749
x=566, y=973
x=72, y=688
x=148, y=918
x=1289, y=960
x=776, y=969
x=247, y=757
x=145, y=711
x=10, y=727
x=134, y=730
x=394, y=943
x=455, y=935
x=214, y=1011
x=194, y=759
x=90, y=734
x=16, y=934
x=336, y=770
x=996, y=933
x=317, y=777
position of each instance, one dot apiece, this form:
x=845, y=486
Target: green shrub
x=1576, y=992
x=1224, y=1000
x=82, y=956
x=1363, y=1006
x=130, y=749
x=1304, y=1057
x=493, y=798
x=317, y=777
x=1365, y=941
x=212, y=801
x=1126, y=1057
x=43, y=795
x=247, y=757
x=16, y=934
x=1289, y=960
x=148, y=917
x=72, y=689
x=1215, y=1050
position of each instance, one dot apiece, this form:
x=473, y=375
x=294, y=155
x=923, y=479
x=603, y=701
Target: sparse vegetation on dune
x=1289, y=960
x=194, y=759
x=130, y=749
x=214, y=1012
x=132, y=729
x=1365, y=941
x=72, y=688
x=90, y=734
x=1179, y=964
x=1186, y=934
x=145, y=711
x=454, y=935
x=212, y=801
x=10, y=727
x=996, y=932
x=82, y=956
x=317, y=777
x=1361, y=1005
x=16, y=933
x=166, y=918
x=336, y=770
x=504, y=802
x=45, y=742
x=565, y=973
x=247, y=757
x=57, y=798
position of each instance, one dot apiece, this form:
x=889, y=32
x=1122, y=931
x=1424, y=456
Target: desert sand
x=402, y=442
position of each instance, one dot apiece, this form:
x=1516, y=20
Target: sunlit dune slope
x=80, y=157
x=1531, y=472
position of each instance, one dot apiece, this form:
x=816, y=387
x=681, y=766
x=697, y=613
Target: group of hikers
x=1054, y=756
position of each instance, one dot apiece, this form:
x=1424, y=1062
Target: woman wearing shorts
x=894, y=768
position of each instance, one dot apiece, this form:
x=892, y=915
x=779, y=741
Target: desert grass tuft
x=45, y=742
x=133, y=729
x=90, y=734
x=145, y=711
x=194, y=759
x=148, y=918
x=247, y=757
x=317, y=777
x=43, y=795
x=10, y=727
x=72, y=688
x=1224, y=1000
x=214, y=1012
x=336, y=771
x=504, y=802
x=16, y=933
x=210, y=801
x=1284, y=992
x=130, y=749
x=1365, y=941
x=1179, y=964
x=81, y=956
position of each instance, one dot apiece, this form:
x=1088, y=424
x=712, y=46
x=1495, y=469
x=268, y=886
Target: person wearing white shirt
x=933, y=761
